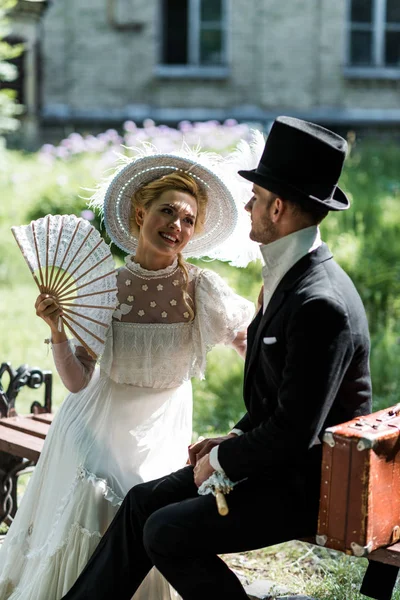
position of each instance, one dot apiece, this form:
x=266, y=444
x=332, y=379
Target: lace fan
x=71, y=262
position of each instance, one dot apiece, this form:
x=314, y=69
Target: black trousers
x=167, y=524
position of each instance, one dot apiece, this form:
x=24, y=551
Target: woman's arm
x=75, y=368
x=240, y=343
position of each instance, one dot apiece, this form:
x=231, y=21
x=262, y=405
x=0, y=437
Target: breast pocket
x=271, y=358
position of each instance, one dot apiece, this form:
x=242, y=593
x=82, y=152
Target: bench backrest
x=33, y=377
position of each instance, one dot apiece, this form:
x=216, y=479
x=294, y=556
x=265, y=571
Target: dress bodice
x=157, y=337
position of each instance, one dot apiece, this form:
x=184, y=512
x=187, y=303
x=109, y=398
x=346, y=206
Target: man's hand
x=200, y=449
x=202, y=470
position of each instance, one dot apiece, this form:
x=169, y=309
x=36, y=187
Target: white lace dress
x=131, y=422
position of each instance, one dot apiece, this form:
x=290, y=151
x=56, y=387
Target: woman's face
x=168, y=224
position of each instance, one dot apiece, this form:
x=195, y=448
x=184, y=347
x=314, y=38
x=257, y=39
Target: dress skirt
x=104, y=440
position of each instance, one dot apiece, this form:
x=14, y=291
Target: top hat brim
x=338, y=201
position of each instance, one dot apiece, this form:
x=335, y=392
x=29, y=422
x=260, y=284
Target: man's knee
x=162, y=536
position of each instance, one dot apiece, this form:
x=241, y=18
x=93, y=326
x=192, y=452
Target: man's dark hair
x=312, y=210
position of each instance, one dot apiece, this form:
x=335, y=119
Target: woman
x=130, y=420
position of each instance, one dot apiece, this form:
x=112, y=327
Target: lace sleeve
x=220, y=311
x=75, y=368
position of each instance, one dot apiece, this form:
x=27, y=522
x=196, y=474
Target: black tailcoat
x=307, y=368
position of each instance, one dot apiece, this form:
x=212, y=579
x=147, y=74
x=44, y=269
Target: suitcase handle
x=393, y=412
x=362, y=424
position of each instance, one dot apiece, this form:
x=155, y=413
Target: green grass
x=304, y=569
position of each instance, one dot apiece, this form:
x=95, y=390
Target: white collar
x=140, y=271
x=283, y=253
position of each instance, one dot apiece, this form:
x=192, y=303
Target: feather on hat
x=225, y=235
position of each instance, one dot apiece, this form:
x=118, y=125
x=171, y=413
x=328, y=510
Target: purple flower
x=130, y=126
x=185, y=126
x=47, y=148
x=87, y=214
x=209, y=136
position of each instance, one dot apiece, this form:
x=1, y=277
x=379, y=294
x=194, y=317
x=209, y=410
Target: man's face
x=261, y=207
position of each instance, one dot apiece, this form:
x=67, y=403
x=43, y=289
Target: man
x=307, y=368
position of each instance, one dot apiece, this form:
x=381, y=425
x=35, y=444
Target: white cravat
x=279, y=257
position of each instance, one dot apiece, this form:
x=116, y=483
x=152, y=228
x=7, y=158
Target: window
x=193, y=36
x=374, y=36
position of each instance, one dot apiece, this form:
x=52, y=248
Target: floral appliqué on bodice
x=153, y=340
x=153, y=296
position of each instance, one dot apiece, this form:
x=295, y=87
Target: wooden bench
x=21, y=437
x=389, y=555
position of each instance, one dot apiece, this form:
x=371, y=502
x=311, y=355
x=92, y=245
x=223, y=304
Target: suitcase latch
x=395, y=537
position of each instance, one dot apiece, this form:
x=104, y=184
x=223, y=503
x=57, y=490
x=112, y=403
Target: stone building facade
x=336, y=62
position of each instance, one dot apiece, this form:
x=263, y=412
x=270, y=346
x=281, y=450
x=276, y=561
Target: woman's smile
x=171, y=239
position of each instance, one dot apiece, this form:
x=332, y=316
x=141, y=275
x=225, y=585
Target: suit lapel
x=296, y=273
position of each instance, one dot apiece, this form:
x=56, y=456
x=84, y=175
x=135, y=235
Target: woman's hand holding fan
x=48, y=310
x=73, y=266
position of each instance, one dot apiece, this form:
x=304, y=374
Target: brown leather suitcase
x=360, y=485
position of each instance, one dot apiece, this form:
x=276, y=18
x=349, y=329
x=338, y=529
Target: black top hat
x=302, y=160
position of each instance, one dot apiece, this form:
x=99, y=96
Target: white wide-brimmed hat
x=113, y=198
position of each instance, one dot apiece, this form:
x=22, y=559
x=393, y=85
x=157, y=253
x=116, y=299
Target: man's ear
x=278, y=208
x=139, y=215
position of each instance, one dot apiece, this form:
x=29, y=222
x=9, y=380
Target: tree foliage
x=9, y=106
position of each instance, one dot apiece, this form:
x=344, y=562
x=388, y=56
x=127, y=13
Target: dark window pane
x=393, y=11
x=175, y=32
x=361, y=11
x=392, y=50
x=211, y=47
x=211, y=10
x=361, y=48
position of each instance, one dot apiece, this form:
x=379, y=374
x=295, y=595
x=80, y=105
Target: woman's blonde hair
x=149, y=192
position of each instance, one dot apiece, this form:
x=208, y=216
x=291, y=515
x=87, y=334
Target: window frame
x=193, y=69
x=377, y=70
